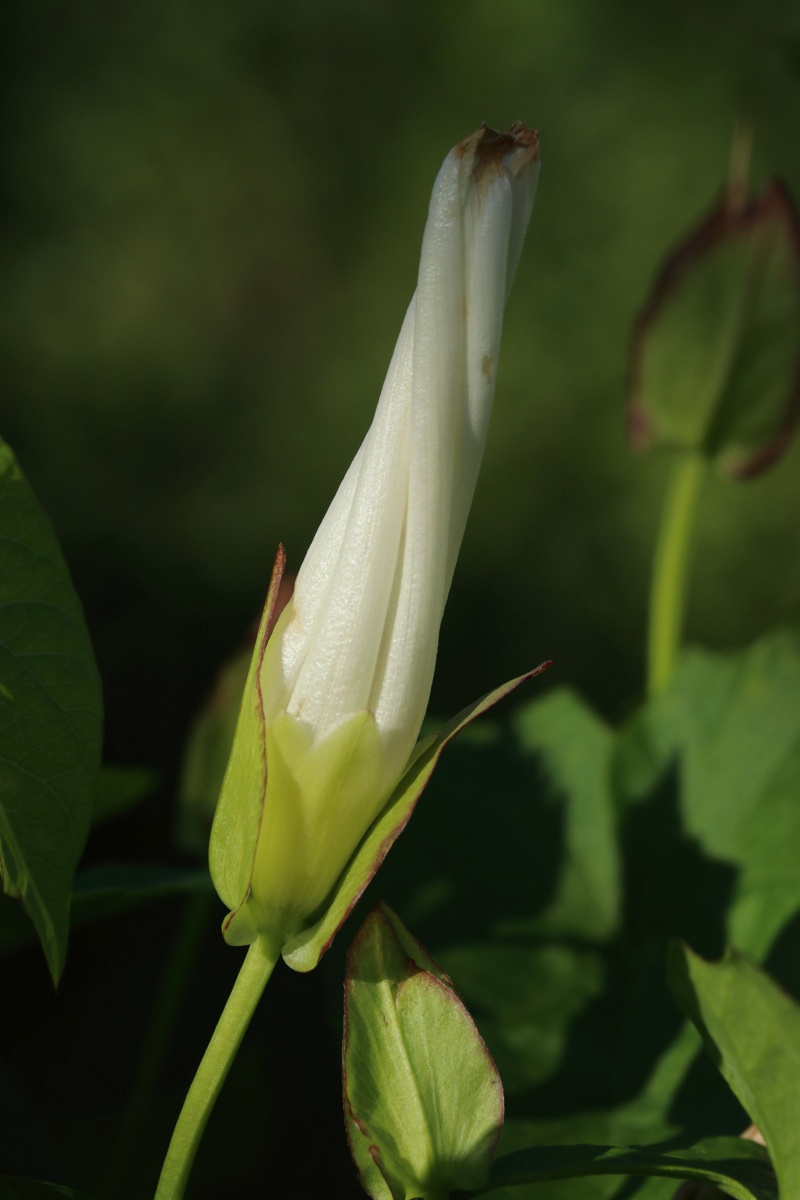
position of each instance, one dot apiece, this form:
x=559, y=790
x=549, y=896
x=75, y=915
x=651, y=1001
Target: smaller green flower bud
x=715, y=362
x=423, y=1098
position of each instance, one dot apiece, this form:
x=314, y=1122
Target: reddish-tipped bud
x=715, y=362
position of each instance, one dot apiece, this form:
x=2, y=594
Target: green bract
x=423, y=1100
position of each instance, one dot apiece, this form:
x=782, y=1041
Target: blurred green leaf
x=108, y=891
x=728, y=727
x=573, y=748
x=12, y=1188
x=423, y=1100
x=120, y=789
x=751, y=1028
x=538, y=855
x=716, y=354
x=646, y=1117
x=50, y=716
x=740, y=1167
x=526, y=998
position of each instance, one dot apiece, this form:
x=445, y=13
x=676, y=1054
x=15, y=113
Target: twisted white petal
x=362, y=629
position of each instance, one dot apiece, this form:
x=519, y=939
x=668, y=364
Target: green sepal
x=234, y=833
x=423, y=1099
x=50, y=716
x=751, y=1028
x=242, y=926
x=303, y=952
x=741, y=1167
x=715, y=363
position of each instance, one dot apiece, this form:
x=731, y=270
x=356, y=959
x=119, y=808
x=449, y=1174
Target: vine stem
x=256, y=969
x=669, y=582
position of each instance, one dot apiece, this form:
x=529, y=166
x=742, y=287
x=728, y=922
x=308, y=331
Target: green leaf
x=304, y=952
x=751, y=1028
x=741, y=1167
x=108, y=891
x=526, y=997
x=728, y=730
x=423, y=1100
x=50, y=716
x=716, y=353
x=12, y=1188
x=573, y=748
x=531, y=797
x=647, y=1117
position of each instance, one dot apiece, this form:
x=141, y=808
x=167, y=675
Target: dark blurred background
x=211, y=226
x=211, y=218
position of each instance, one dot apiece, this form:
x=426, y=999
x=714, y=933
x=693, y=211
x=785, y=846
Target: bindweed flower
x=336, y=695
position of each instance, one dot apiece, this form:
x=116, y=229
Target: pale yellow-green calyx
x=321, y=795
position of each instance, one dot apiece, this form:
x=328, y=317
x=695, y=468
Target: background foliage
x=211, y=222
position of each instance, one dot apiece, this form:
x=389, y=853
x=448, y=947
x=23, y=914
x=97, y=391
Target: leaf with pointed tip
x=751, y=1028
x=741, y=1167
x=423, y=1100
x=303, y=952
x=50, y=716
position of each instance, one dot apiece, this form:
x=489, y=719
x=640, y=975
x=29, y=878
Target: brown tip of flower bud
x=490, y=150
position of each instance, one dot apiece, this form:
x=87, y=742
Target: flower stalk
x=670, y=578
x=253, y=977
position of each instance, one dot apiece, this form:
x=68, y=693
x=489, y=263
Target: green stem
x=250, y=983
x=669, y=583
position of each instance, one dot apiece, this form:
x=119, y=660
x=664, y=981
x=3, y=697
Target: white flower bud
x=339, y=694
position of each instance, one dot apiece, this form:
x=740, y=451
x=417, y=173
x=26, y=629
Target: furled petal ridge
x=346, y=675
